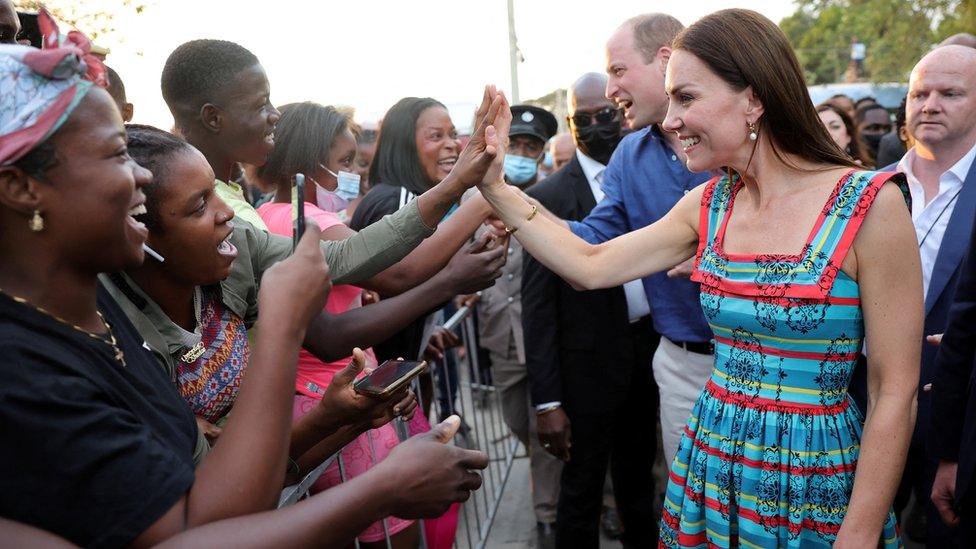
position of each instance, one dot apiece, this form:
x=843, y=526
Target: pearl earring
x=36, y=222
x=753, y=133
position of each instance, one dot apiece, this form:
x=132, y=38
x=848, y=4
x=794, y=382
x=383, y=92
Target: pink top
x=278, y=217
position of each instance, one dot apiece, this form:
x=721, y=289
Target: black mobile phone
x=299, y=202
x=389, y=377
x=29, y=29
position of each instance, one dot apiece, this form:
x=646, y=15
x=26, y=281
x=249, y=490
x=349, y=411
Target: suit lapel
x=581, y=186
x=955, y=242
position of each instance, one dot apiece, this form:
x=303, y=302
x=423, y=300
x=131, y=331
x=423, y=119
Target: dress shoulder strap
x=715, y=202
x=842, y=217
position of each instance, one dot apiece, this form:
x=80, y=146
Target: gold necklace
x=111, y=341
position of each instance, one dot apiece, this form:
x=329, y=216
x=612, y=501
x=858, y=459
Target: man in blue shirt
x=645, y=178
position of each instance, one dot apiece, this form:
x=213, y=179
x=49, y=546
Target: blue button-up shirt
x=643, y=181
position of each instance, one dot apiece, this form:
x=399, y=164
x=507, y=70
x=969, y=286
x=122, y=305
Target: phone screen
x=299, y=205
x=389, y=374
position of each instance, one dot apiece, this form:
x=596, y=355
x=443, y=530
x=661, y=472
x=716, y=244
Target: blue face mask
x=348, y=187
x=519, y=169
x=547, y=160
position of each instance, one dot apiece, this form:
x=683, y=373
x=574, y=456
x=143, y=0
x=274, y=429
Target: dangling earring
x=36, y=222
x=753, y=133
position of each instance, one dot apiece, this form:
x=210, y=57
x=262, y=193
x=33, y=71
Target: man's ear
x=211, y=117
x=127, y=111
x=18, y=191
x=664, y=53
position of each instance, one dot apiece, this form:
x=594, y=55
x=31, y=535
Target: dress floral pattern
x=769, y=453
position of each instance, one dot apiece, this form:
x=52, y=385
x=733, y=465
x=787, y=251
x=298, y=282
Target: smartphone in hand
x=389, y=377
x=299, y=206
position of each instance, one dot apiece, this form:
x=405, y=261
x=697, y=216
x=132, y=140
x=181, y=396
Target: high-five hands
x=486, y=141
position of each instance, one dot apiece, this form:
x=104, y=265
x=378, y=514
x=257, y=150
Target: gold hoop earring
x=36, y=222
x=753, y=132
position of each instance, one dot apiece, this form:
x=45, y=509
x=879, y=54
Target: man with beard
x=588, y=353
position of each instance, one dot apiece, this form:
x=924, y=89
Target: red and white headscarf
x=39, y=88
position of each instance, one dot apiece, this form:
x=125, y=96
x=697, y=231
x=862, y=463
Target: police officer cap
x=534, y=121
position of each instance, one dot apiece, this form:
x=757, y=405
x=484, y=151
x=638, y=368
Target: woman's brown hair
x=746, y=49
x=855, y=149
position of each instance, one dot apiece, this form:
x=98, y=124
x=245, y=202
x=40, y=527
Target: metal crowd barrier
x=465, y=389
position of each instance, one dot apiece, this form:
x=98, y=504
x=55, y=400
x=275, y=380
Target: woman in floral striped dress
x=801, y=258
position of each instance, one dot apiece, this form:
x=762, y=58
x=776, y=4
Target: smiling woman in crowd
x=417, y=148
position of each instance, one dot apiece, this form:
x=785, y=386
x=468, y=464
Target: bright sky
x=367, y=54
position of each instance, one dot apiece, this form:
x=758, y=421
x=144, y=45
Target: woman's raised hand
x=488, y=141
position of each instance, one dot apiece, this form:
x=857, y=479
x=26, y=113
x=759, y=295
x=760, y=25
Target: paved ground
x=514, y=526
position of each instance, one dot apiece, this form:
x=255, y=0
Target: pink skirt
x=358, y=456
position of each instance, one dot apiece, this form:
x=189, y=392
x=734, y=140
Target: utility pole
x=514, y=55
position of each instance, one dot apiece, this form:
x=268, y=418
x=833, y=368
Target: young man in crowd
x=220, y=99
x=500, y=322
x=588, y=353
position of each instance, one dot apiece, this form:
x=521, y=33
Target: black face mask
x=598, y=141
x=872, y=142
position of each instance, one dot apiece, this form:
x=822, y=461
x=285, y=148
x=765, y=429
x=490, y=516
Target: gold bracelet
x=535, y=210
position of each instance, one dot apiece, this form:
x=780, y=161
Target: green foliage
x=896, y=32
x=964, y=19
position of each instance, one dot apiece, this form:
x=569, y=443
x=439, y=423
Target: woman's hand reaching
x=487, y=142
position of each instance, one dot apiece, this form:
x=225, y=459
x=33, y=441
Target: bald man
x=562, y=149
x=588, y=354
x=960, y=39
x=941, y=116
x=941, y=174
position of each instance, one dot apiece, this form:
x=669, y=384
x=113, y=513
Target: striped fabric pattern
x=769, y=453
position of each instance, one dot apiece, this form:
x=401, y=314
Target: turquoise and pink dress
x=769, y=453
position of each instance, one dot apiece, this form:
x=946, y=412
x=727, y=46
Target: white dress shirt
x=931, y=219
x=637, y=306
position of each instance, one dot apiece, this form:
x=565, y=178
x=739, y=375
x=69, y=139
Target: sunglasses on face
x=602, y=116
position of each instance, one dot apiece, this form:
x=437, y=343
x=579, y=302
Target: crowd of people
x=775, y=297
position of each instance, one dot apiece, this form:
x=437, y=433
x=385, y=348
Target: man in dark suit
x=589, y=354
x=941, y=176
x=951, y=138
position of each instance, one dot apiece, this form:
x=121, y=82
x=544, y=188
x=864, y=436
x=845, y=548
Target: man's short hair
x=198, y=71
x=653, y=31
x=115, y=86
